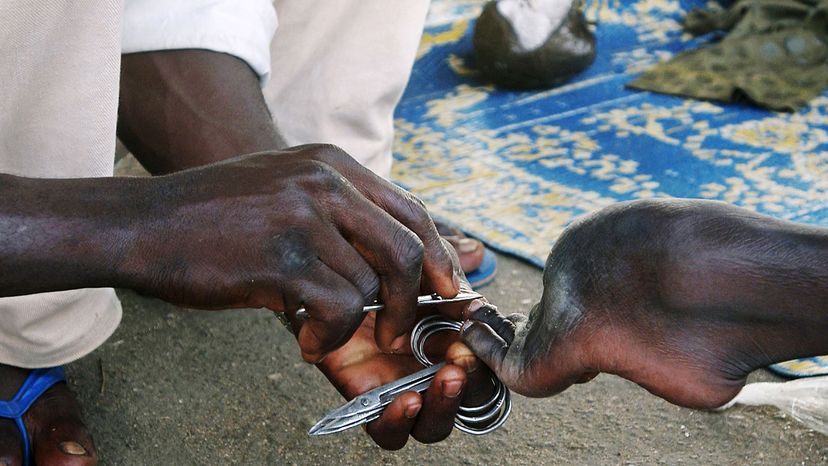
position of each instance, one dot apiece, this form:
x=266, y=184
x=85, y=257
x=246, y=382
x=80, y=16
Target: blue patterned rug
x=514, y=168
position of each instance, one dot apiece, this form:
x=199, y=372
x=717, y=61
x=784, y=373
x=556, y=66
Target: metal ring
x=504, y=414
x=487, y=405
x=494, y=411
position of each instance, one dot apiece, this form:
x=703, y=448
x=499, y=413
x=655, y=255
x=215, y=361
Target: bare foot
x=683, y=297
x=469, y=250
x=56, y=433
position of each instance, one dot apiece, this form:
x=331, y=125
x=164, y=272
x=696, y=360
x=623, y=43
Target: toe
x=469, y=251
x=65, y=444
x=58, y=434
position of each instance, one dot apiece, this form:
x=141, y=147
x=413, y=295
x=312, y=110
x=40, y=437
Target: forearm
x=65, y=234
x=185, y=108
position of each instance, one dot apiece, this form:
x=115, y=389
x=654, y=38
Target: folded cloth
x=775, y=55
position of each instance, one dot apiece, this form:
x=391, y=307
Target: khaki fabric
x=775, y=55
x=338, y=70
x=59, y=67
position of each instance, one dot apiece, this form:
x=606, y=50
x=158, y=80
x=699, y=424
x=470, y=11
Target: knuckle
x=414, y=212
x=351, y=303
x=417, y=207
x=292, y=254
x=409, y=251
x=317, y=174
x=368, y=282
x=329, y=153
x=323, y=181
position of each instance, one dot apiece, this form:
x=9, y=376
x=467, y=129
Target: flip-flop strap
x=38, y=381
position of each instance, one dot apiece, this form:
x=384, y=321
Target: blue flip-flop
x=484, y=274
x=38, y=381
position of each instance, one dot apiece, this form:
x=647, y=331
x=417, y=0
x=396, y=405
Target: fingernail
x=473, y=307
x=399, y=343
x=462, y=356
x=469, y=363
x=411, y=411
x=466, y=245
x=313, y=358
x=452, y=388
x=72, y=448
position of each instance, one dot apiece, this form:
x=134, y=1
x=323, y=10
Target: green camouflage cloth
x=775, y=55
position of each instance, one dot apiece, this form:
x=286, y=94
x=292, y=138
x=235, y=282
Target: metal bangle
x=475, y=420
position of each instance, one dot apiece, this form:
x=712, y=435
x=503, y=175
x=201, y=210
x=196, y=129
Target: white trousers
x=59, y=66
x=338, y=70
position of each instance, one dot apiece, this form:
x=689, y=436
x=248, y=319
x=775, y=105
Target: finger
x=440, y=404
x=334, y=307
x=343, y=259
x=452, y=310
x=395, y=254
x=409, y=211
x=529, y=370
x=441, y=267
x=393, y=427
x=479, y=387
x=462, y=356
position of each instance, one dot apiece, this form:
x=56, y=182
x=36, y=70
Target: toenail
x=72, y=448
x=467, y=245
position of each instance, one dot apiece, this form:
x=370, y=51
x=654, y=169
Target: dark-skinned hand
x=360, y=365
x=308, y=227
x=683, y=297
x=231, y=119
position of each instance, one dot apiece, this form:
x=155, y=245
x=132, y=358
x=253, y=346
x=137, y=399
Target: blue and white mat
x=514, y=168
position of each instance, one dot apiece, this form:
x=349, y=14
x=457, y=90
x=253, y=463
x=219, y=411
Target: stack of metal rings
x=475, y=420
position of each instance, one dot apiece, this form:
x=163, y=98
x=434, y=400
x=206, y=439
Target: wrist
x=59, y=234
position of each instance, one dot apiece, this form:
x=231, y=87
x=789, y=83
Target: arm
x=186, y=108
x=181, y=109
x=67, y=234
x=684, y=297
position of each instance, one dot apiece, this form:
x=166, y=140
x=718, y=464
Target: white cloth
x=337, y=67
x=59, y=70
x=240, y=28
x=339, y=70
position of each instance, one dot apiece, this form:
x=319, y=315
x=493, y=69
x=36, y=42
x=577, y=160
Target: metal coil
x=475, y=420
